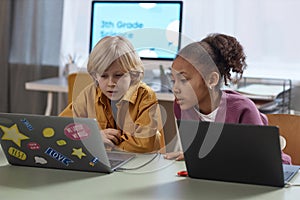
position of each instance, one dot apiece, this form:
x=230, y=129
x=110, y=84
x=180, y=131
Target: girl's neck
x=213, y=103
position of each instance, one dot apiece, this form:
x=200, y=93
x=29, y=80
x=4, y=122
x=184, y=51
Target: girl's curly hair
x=227, y=54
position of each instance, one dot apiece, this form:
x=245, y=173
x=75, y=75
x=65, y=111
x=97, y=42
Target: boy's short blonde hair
x=115, y=48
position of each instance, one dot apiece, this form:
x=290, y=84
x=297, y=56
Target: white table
x=157, y=180
x=49, y=85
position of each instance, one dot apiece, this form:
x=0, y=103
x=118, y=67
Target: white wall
x=267, y=29
x=76, y=30
x=269, y=32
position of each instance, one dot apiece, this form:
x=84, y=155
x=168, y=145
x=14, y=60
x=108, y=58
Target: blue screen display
x=153, y=27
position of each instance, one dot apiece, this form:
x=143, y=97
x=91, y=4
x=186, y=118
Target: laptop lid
x=55, y=142
x=232, y=152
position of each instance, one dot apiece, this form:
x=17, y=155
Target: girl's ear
x=213, y=79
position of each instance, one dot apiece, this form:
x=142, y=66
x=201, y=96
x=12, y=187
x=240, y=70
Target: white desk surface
x=157, y=180
x=49, y=85
x=55, y=84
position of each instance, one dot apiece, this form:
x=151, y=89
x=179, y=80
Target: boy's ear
x=213, y=79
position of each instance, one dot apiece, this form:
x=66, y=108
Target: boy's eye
x=119, y=75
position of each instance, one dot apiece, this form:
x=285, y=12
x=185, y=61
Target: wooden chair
x=76, y=83
x=289, y=128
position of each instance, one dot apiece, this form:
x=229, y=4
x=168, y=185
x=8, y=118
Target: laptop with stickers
x=57, y=142
x=234, y=152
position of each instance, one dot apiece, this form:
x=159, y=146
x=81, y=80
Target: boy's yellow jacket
x=138, y=116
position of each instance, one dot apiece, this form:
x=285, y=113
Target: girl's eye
x=104, y=76
x=183, y=80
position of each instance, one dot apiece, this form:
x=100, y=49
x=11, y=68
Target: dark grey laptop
x=234, y=152
x=57, y=142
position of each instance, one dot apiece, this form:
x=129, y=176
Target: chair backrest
x=171, y=136
x=289, y=128
x=76, y=83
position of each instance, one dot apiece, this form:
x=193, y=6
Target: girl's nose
x=175, y=89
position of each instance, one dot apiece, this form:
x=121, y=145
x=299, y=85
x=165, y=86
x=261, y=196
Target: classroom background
x=37, y=36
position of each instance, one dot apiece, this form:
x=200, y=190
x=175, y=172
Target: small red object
x=182, y=173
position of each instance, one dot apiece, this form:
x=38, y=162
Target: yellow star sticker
x=13, y=134
x=78, y=153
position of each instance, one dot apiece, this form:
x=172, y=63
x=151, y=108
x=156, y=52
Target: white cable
x=289, y=184
x=149, y=171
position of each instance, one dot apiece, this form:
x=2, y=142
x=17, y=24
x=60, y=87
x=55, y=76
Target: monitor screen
x=153, y=27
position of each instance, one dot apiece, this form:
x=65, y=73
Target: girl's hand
x=174, y=155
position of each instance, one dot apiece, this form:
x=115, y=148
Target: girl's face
x=189, y=87
x=114, y=82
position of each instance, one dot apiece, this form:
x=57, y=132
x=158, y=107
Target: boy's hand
x=111, y=137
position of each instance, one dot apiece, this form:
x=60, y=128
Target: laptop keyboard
x=287, y=175
x=114, y=163
x=117, y=159
x=289, y=171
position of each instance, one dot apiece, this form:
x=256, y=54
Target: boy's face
x=114, y=82
x=189, y=87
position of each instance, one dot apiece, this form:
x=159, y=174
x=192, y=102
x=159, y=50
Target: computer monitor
x=153, y=27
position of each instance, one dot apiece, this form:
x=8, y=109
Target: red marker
x=182, y=173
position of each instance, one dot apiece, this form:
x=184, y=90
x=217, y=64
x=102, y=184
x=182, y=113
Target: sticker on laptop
x=48, y=132
x=40, y=160
x=93, y=162
x=76, y=131
x=33, y=146
x=58, y=156
x=17, y=153
x=12, y=133
x=27, y=124
x=61, y=142
x=78, y=153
